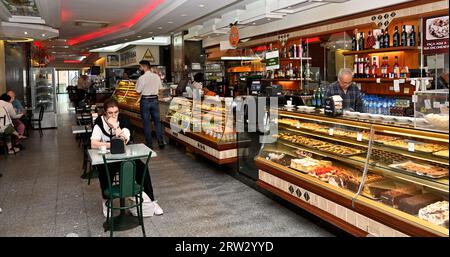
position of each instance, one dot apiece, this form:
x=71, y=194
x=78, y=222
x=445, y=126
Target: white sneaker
x=105, y=209
x=157, y=208
x=0, y=210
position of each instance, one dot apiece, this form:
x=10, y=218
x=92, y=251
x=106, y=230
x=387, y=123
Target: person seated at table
x=7, y=126
x=113, y=124
x=18, y=107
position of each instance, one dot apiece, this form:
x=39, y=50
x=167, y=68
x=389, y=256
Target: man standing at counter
x=148, y=86
x=349, y=92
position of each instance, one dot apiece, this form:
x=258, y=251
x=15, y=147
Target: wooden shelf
x=383, y=50
x=293, y=80
x=385, y=80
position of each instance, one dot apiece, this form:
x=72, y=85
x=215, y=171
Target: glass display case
x=372, y=178
x=206, y=133
x=431, y=110
x=43, y=93
x=127, y=96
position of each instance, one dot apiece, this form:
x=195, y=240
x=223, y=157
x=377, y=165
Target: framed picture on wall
x=112, y=61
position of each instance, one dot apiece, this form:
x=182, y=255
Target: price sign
x=378, y=80
x=331, y=132
x=427, y=103
x=411, y=147
x=396, y=85
x=413, y=82
x=359, y=137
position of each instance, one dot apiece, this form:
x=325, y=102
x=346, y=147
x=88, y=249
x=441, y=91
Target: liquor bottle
x=383, y=68
x=285, y=53
x=396, y=38
x=354, y=45
x=294, y=50
x=361, y=41
x=387, y=67
x=387, y=39
x=291, y=71
x=381, y=38
x=412, y=37
x=300, y=49
x=370, y=41
x=361, y=68
x=355, y=67
x=396, y=69
x=374, y=68
x=314, y=99
x=367, y=68
x=322, y=96
x=291, y=52
x=404, y=36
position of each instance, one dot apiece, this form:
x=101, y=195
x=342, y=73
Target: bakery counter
x=367, y=178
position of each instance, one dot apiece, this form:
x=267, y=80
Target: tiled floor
x=41, y=194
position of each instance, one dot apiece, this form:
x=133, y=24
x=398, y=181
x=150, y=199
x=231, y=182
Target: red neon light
x=37, y=44
x=72, y=61
x=128, y=24
x=312, y=40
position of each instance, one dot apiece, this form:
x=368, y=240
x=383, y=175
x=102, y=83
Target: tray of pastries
x=290, y=122
x=421, y=169
x=320, y=145
x=443, y=153
x=418, y=146
x=314, y=126
x=278, y=157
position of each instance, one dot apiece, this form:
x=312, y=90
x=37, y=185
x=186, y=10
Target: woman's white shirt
x=97, y=133
x=197, y=85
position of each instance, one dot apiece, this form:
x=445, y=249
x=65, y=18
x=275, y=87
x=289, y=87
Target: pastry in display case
x=432, y=108
x=206, y=131
x=393, y=178
x=127, y=96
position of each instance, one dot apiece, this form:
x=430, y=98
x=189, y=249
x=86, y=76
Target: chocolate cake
x=413, y=204
x=393, y=197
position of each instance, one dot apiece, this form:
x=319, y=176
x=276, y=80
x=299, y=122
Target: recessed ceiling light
x=269, y=19
x=183, y=15
x=26, y=33
x=159, y=27
x=43, y=35
x=254, y=23
x=150, y=32
x=170, y=22
x=201, y=5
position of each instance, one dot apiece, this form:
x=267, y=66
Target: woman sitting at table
x=112, y=124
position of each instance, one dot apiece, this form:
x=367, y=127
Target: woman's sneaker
x=157, y=208
x=105, y=209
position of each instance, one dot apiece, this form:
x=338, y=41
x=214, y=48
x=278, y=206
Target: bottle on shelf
x=404, y=37
x=374, y=67
x=381, y=38
x=314, y=99
x=383, y=68
x=356, y=67
x=367, y=68
x=361, y=68
x=396, y=69
x=396, y=38
x=412, y=37
x=361, y=41
x=317, y=96
x=300, y=49
x=294, y=51
x=370, y=41
x=354, y=44
x=387, y=39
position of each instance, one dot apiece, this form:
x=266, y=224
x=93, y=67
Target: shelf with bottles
x=295, y=59
x=383, y=50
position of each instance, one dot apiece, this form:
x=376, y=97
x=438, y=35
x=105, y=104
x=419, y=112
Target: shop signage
x=128, y=57
x=234, y=36
x=272, y=60
x=435, y=36
x=148, y=56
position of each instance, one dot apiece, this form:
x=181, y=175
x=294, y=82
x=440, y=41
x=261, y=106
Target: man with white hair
x=345, y=88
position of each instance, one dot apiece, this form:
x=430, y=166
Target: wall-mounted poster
x=435, y=36
x=112, y=60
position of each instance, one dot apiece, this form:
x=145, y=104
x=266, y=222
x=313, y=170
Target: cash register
x=255, y=87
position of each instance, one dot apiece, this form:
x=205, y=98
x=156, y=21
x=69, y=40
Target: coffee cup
x=103, y=149
x=289, y=103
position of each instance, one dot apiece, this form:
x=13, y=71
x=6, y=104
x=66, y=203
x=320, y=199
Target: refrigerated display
x=43, y=93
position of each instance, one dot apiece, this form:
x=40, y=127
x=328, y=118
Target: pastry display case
x=362, y=176
x=431, y=110
x=43, y=94
x=204, y=128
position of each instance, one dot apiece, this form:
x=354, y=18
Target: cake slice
x=413, y=204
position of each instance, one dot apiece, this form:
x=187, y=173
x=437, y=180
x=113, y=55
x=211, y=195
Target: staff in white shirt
x=148, y=86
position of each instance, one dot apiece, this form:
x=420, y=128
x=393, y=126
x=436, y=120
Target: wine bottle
x=374, y=68
x=367, y=68
x=370, y=41
x=404, y=36
x=294, y=50
x=412, y=37
x=355, y=67
x=396, y=69
x=354, y=46
x=361, y=41
x=387, y=39
x=361, y=68
x=396, y=38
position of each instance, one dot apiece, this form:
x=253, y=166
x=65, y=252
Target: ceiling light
x=159, y=27
x=91, y=24
x=43, y=35
x=254, y=23
x=269, y=19
x=150, y=32
x=201, y=5
x=170, y=22
x=126, y=39
x=26, y=33
x=183, y=15
x=139, y=36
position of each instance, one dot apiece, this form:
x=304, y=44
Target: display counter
x=129, y=101
x=205, y=135
x=366, y=177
